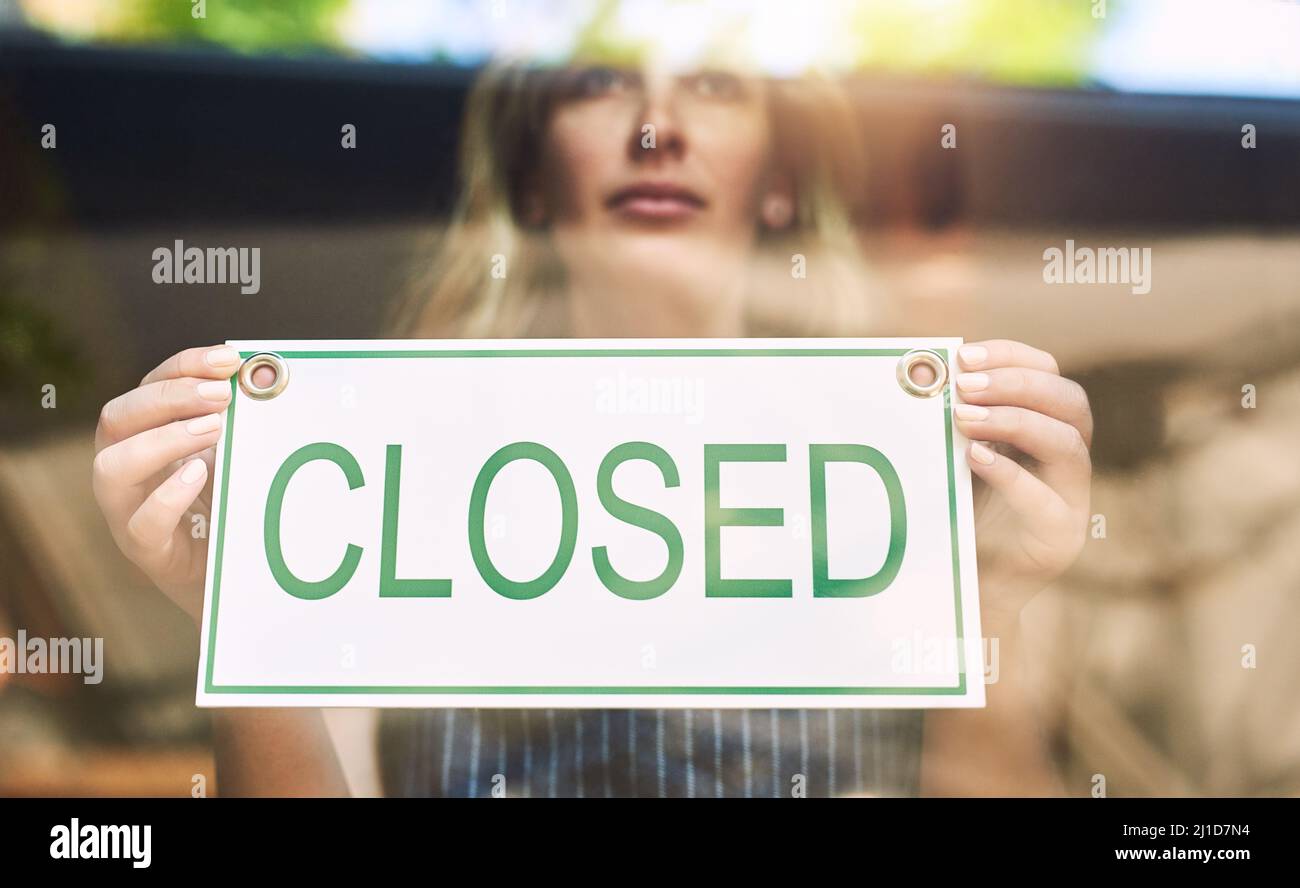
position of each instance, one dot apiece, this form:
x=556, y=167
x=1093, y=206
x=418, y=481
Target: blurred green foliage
x=1036, y=42
x=242, y=25
x=1042, y=42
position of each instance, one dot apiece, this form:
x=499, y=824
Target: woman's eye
x=716, y=85
x=594, y=82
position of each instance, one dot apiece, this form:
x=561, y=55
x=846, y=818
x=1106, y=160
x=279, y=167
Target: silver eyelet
x=926, y=357
x=263, y=359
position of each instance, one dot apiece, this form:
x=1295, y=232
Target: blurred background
x=1111, y=124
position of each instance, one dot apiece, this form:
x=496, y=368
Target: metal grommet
x=926, y=357
x=259, y=360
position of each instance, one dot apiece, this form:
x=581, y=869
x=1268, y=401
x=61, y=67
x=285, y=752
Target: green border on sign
x=211, y=688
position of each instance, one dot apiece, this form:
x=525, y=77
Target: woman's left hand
x=1031, y=514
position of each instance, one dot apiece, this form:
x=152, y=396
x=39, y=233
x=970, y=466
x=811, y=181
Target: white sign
x=592, y=523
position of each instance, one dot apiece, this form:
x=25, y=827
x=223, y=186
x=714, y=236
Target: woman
x=647, y=201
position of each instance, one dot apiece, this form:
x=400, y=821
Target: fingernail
x=193, y=471
x=971, y=412
x=213, y=390
x=973, y=355
x=223, y=356
x=204, y=424
x=981, y=454
x=972, y=382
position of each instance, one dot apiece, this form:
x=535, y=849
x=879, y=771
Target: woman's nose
x=659, y=133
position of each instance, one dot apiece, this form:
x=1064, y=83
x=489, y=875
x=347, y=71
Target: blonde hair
x=494, y=276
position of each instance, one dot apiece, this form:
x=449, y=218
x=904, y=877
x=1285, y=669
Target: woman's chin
x=666, y=248
x=680, y=287
x=687, y=273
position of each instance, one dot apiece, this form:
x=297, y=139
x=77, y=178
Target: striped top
x=617, y=753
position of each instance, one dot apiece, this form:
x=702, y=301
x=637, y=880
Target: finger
x=206, y=362
x=993, y=353
x=157, y=403
x=152, y=529
x=1047, y=520
x=1057, y=446
x=209, y=457
x=123, y=465
x=1037, y=390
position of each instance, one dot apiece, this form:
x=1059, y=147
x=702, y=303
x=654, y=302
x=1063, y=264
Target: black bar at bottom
x=209, y=836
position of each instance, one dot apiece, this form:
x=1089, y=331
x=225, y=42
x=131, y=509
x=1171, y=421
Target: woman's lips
x=655, y=202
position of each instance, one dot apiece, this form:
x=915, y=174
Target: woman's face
x=652, y=182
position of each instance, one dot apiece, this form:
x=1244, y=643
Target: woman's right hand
x=153, y=464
